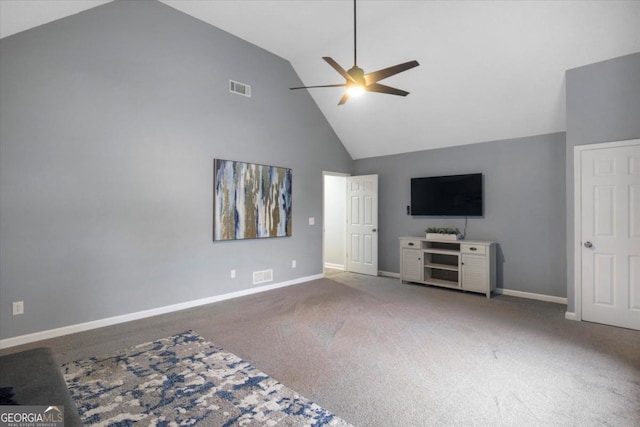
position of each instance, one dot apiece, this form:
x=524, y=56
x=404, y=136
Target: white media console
x=468, y=265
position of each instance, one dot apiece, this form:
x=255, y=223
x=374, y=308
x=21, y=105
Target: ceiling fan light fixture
x=358, y=84
x=355, y=90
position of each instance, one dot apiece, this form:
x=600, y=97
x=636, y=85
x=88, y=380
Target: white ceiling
x=489, y=70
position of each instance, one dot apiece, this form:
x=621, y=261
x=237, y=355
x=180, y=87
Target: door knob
x=588, y=244
x=374, y=230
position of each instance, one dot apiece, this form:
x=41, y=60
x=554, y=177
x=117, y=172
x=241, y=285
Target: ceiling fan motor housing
x=357, y=74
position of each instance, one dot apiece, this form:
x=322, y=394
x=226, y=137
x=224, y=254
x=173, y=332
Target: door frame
x=577, y=213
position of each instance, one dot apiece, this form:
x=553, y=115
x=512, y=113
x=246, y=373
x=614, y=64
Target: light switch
x=312, y=221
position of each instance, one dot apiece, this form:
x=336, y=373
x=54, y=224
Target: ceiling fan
x=357, y=81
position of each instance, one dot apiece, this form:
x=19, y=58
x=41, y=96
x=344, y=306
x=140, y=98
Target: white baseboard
x=81, y=327
x=570, y=315
x=389, y=274
x=529, y=295
x=334, y=266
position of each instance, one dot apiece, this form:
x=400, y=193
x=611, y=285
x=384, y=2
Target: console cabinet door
x=411, y=265
x=475, y=275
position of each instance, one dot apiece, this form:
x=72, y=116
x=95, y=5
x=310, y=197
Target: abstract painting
x=251, y=201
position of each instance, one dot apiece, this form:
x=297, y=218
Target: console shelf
x=442, y=251
x=465, y=264
x=441, y=266
x=442, y=283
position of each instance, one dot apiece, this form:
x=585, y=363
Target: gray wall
x=109, y=123
x=603, y=104
x=524, y=205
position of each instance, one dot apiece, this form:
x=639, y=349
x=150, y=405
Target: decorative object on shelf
x=251, y=201
x=435, y=233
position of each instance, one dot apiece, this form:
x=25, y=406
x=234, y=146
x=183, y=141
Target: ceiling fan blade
x=339, y=69
x=312, y=87
x=344, y=99
x=388, y=72
x=377, y=87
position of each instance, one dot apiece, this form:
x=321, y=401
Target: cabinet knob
x=473, y=249
x=410, y=243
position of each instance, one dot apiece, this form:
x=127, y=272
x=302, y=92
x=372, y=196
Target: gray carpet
x=376, y=352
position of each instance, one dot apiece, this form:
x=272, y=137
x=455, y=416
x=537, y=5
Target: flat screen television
x=453, y=195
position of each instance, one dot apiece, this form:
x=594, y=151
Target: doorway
x=350, y=222
x=334, y=230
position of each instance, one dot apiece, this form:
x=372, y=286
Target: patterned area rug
x=185, y=380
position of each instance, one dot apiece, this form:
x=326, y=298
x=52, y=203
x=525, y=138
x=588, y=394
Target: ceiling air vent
x=240, y=88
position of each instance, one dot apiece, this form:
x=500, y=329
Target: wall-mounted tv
x=453, y=195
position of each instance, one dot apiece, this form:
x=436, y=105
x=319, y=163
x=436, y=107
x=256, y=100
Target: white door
x=362, y=224
x=610, y=234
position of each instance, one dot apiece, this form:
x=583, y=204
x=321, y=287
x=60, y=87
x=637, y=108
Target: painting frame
x=251, y=201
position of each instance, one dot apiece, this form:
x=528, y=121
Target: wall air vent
x=263, y=276
x=240, y=88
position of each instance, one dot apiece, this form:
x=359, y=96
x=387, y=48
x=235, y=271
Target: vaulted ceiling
x=489, y=70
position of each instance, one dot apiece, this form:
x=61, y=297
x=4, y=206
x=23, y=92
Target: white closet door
x=610, y=234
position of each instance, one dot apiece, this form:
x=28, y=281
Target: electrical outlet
x=293, y=264
x=312, y=221
x=18, y=307
x=233, y=274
